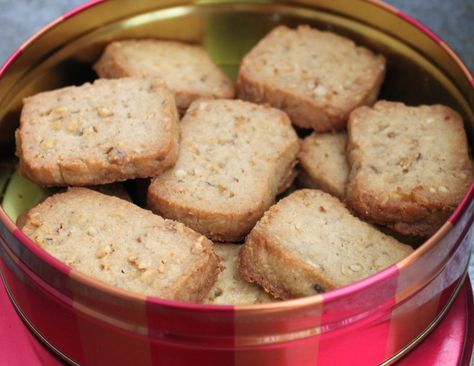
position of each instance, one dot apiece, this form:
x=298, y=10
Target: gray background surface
x=452, y=20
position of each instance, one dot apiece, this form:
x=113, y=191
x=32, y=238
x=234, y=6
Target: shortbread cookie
x=235, y=157
x=231, y=288
x=121, y=244
x=309, y=243
x=316, y=77
x=186, y=69
x=410, y=166
x=323, y=163
x=108, y=131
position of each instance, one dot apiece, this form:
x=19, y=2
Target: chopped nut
x=48, y=144
x=72, y=126
x=35, y=222
x=103, y=251
x=89, y=130
x=132, y=259
x=71, y=260
x=57, y=124
x=91, y=231
x=180, y=173
x=356, y=267
x=140, y=264
x=345, y=270
x=222, y=188
x=197, y=247
x=432, y=190
x=46, y=112
x=443, y=189
x=60, y=110
x=116, y=155
x=104, y=112
x=320, y=91
x=148, y=275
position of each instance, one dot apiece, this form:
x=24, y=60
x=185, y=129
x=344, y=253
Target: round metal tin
x=375, y=320
x=451, y=343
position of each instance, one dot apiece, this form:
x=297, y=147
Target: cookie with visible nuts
x=230, y=287
x=123, y=245
x=323, y=163
x=186, y=69
x=309, y=243
x=108, y=131
x=410, y=166
x=316, y=77
x=235, y=157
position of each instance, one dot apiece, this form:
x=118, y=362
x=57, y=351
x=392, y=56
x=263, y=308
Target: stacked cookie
x=217, y=174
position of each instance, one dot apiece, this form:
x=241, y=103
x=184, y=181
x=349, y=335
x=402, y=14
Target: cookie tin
x=375, y=321
x=448, y=344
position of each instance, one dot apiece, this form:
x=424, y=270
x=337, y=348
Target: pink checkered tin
x=374, y=321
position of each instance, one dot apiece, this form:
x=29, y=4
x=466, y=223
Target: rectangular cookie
x=309, y=243
x=410, y=166
x=99, y=133
x=231, y=288
x=123, y=245
x=316, y=77
x=235, y=157
x=322, y=159
x=186, y=69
